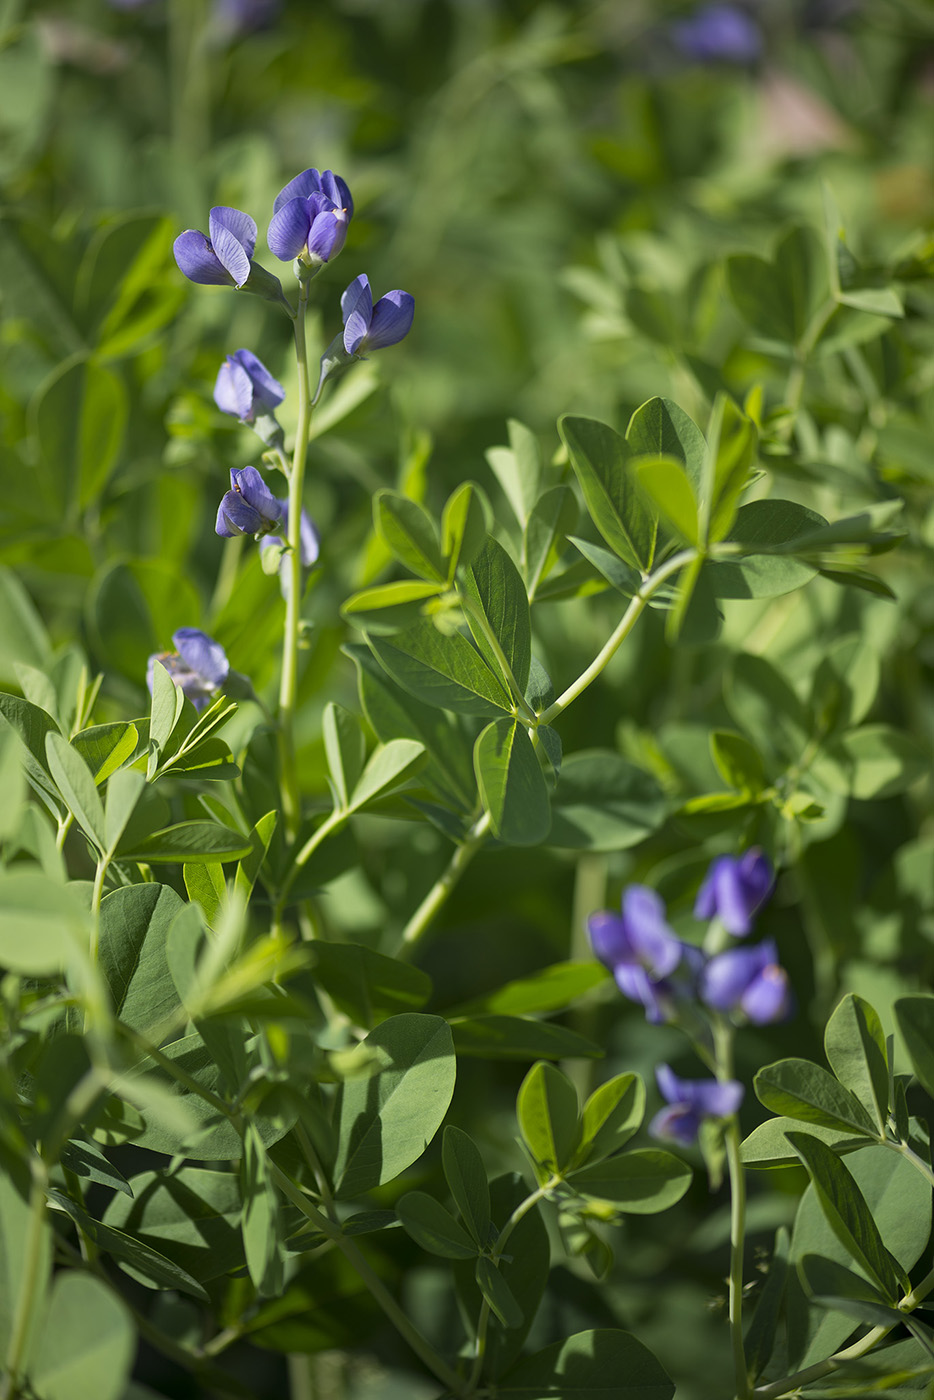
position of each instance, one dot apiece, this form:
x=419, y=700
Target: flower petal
x=236, y=517
x=202, y=654
x=392, y=320
x=768, y=998
x=233, y=390
x=309, y=182
x=266, y=389
x=197, y=260
x=608, y=938
x=233, y=238
x=653, y=942
x=251, y=486
x=337, y=192
x=288, y=230
x=679, y=1123
x=357, y=298
x=327, y=234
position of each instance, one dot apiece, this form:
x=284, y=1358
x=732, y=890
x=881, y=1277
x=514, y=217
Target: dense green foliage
x=625, y=559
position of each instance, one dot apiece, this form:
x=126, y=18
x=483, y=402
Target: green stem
x=288, y=689
x=917, y=1162
x=483, y=1319
x=333, y=823
x=723, y=1056
x=421, y=920
x=406, y=1329
x=612, y=646
x=29, y=1280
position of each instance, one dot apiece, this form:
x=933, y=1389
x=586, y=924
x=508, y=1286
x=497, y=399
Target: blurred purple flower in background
x=310, y=218
x=199, y=665
x=368, y=327
x=719, y=33
x=748, y=981
x=734, y=889
x=245, y=387
x=224, y=259
x=642, y=952
x=690, y=1101
x=310, y=543
x=249, y=507
x=232, y=18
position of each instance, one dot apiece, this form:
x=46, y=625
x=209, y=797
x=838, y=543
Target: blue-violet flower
x=719, y=32
x=642, y=951
x=748, y=981
x=309, y=540
x=690, y=1101
x=368, y=327
x=249, y=507
x=225, y=258
x=245, y=388
x=310, y=218
x=199, y=665
x=734, y=889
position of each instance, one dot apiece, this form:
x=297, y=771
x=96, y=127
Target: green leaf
x=602, y=802
x=518, y=1038
x=31, y=725
x=142, y=1261
x=389, y=767
x=641, y=1182
x=409, y=532
x=511, y=783
x=548, y=990
x=442, y=670
x=467, y=1181
x=250, y=866
x=345, y=748
x=168, y=700
x=760, y=1337
x=665, y=484
x=466, y=519
x=602, y=462
x=553, y=517
x=386, y=1118
x=732, y=450
x=86, y=1346
x=518, y=469
x=915, y=1017
x=780, y=297
x=589, y=1366
x=368, y=986
x=23, y=636
x=260, y=1224
x=42, y=925
x=134, y=926
x=497, y=1293
x=124, y=790
x=192, y=1216
x=206, y=887
x=768, y=1145
x=764, y=705
x=524, y=1267
x=106, y=747
x=854, y=1043
x=389, y=607
x=189, y=841
x=80, y=417
x=659, y=428
x=612, y=1114
x=433, y=1227
x=495, y=585
x=622, y=576
x=13, y=784
x=848, y=1214
x=74, y=781
x=801, y=1089
x=833, y=1285
x=549, y=1116
x=737, y=761
x=874, y=761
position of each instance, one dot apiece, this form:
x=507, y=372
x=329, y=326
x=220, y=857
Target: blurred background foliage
x=558, y=185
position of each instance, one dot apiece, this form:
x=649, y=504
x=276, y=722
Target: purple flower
x=309, y=540
x=690, y=1101
x=369, y=327
x=235, y=17
x=719, y=32
x=249, y=507
x=748, y=981
x=310, y=218
x=225, y=259
x=245, y=387
x=642, y=952
x=198, y=665
x=734, y=890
